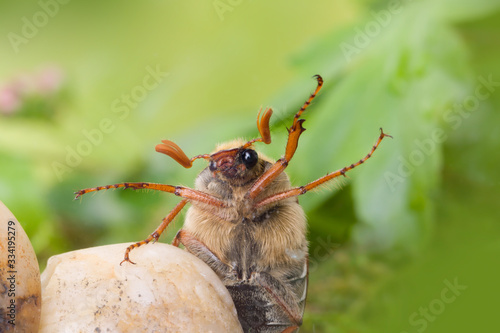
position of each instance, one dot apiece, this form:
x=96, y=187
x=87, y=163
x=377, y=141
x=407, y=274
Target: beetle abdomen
x=257, y=309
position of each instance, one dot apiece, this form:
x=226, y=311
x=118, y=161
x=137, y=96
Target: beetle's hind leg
x=157, y=233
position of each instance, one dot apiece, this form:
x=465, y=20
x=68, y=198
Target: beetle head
x=236, y=165
x=236, y=161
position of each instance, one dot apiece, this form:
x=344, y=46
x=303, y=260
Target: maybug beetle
x=246, y=223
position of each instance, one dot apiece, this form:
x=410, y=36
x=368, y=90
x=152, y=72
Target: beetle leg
x=294, y=133
x=304, y=189
x=200, y=250
x=184, y=192
x=157, y=233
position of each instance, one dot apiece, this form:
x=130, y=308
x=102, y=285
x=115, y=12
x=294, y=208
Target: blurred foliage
x=421, y=211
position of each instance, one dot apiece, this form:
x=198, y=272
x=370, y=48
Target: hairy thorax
x=253, y=240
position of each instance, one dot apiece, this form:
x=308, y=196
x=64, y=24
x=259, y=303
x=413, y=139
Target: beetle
x=245, y=222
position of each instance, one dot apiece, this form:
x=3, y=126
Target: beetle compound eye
x=249, y=158
x=212, y=166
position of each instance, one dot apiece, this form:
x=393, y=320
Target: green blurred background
x=409, y=242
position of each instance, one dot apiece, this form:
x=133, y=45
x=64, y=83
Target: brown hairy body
x=247, y=246
x=280, y=227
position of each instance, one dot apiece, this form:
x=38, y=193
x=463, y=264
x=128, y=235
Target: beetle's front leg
x=294, y=133
x=157, y=233
x=181, y=191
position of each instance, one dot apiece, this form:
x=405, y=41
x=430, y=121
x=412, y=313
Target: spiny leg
x=306, y=104
x=180, y=191
x=294, y=133
x=157, y=233
x=296, y=129
x=303, y=189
